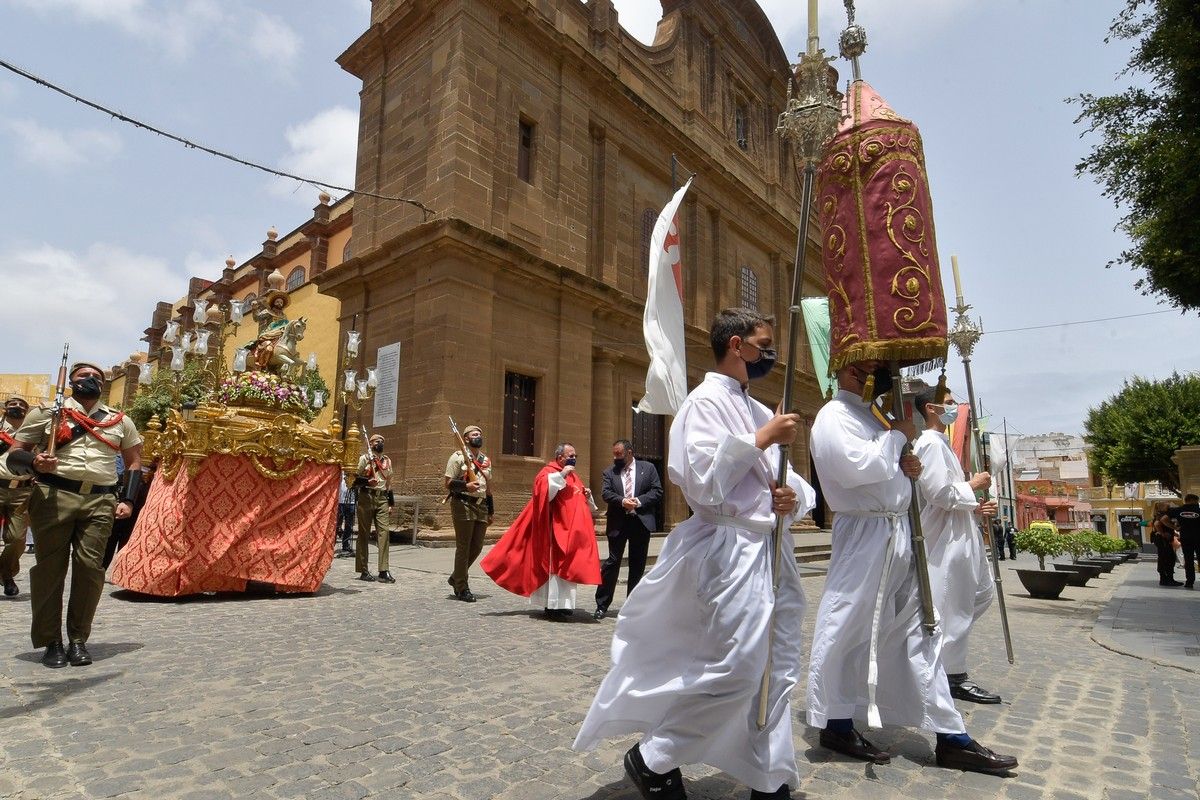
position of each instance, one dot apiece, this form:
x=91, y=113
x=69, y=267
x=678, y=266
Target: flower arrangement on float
x=263, y=389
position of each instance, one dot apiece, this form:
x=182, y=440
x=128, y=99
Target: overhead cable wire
x=425, y=210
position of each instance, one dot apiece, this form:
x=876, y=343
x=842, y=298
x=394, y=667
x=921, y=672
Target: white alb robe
x=690, y=643
x=958, y=567
x=871, y=593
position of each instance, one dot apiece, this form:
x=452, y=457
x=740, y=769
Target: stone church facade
x=540, y=136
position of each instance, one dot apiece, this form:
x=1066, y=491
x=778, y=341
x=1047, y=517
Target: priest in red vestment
x=551, y=547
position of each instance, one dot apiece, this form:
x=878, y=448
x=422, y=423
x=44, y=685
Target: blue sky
x=102, y=220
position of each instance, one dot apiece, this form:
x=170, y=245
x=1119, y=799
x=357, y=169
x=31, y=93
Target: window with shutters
x=520, y=395
x=525, y=150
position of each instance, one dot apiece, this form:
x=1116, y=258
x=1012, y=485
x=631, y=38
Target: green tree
x=1135, y=432
x=157, y=398
x=1147, y=160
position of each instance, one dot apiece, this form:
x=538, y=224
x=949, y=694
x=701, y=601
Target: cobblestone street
x=368, y=690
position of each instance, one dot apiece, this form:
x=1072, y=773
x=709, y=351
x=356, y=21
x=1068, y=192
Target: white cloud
x=100, y=300
x=324, y=147
x=272, y=39
x=60, y=150
x=180, y=27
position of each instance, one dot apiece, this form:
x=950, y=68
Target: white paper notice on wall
x=387, y=371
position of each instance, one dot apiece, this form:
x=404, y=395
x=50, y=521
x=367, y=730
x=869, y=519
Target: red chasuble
x=556, y=536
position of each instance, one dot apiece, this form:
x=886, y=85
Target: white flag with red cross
x=662, y=321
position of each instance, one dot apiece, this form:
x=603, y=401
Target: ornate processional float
x=245, y=489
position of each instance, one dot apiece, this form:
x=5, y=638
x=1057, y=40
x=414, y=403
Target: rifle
x=468, y=461
x=467, y=458
x=60, y=399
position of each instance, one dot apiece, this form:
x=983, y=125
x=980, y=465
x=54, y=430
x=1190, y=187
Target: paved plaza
x=368, y=690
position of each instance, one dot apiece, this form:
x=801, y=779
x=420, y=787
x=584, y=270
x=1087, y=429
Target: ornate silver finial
x=966, y=332
x=811, y=116
x=853, y=41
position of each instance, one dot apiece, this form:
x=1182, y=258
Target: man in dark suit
x=632, y=491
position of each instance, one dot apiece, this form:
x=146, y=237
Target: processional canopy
x=878, y=247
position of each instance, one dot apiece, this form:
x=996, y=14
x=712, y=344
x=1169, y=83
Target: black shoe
x=10, y=588
x=465, y=595
x=782, y=793
x=55, y=656
x=386, y=577
x=973, y=758
x=969, y=690
x=600, y=614
x=77, y=654
x=652, y=785
x=366, y=576
x=855, y=745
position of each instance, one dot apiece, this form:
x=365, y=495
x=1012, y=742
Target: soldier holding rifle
x=374, y=501
x=73, y=504
x=468, y=479
x=14, y=498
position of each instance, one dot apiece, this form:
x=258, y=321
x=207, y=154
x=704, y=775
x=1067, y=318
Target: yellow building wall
x=337, y=246
x=116, y=390
x=34, y=388
x=320, y=337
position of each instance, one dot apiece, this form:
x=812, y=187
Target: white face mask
x=948, y=415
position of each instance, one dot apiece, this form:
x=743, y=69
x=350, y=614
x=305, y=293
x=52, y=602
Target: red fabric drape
x=227, y=525
x=556, y=534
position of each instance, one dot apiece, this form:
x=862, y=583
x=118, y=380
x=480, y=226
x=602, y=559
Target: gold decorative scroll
x=276, y=444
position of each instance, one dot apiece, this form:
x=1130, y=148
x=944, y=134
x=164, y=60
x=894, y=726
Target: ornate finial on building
x=230, y=262
x=276, y=280
x=272, y=234
x=853, y=41
x=324, y=198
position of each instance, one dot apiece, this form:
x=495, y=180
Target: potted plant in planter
x=1044, y=541
x=1077, y=545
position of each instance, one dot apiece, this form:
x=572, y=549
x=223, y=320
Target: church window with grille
x=749, y=286
x=295, y=279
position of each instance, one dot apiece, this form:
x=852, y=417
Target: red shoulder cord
x=89, y=426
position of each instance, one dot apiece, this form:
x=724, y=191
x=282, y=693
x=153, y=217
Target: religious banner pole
x=879, y=252
x=808, y=122
x=964, y=336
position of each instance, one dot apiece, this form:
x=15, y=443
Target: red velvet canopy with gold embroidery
x=878, y=248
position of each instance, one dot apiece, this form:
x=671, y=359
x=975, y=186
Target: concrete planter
x=1076, y=575
x=1042, y=584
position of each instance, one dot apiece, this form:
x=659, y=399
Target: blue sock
x=839, y=725
x=954, y=739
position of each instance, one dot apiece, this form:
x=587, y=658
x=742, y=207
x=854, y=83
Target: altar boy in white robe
x=959, y=573
x=870, y=655
x=691, y=641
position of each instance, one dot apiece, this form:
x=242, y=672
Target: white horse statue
x=275, y=349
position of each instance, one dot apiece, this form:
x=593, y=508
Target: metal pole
x=1012, y=492
x=977, y=437
x=928, y=616
x=810, y=170
x=964, y=335
x=809, y=121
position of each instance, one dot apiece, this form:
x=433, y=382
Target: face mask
x=618, y=464
x=570, y=461
x=14, y=413
x=764, y=364
x=949, y=415
x=378, y=448
x=86, y=387
x=475, y=441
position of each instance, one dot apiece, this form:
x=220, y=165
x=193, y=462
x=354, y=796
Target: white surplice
x=871, y=604
x=958, y=568
x=690, y=644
